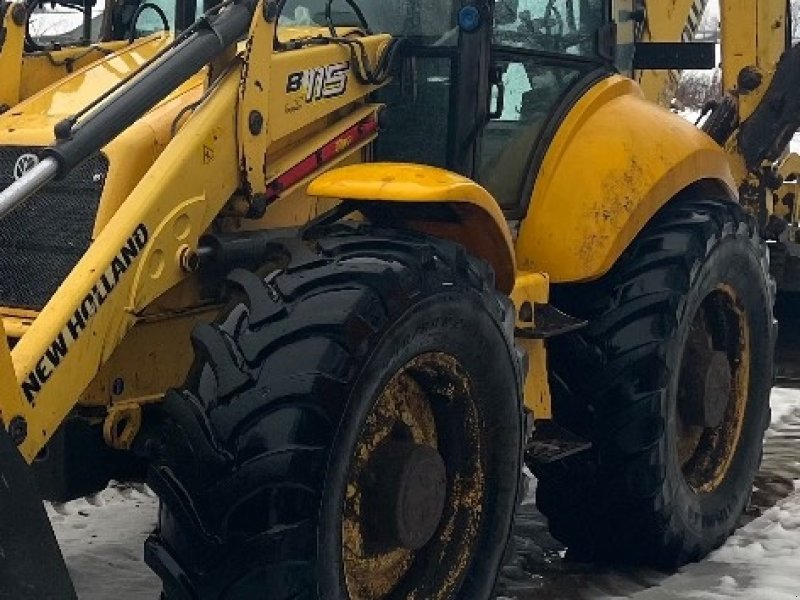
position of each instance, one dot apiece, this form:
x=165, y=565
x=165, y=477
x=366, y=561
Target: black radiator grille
x=43, y=239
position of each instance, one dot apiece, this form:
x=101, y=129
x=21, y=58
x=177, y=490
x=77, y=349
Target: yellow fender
x=615, y=161
x=479, y=223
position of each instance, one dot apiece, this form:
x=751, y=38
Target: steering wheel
x=138, y=12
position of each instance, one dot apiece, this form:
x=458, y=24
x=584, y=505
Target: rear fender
x=615, y=161
x=412, y=193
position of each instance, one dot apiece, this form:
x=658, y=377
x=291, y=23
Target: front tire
x=671, y=383
x=351, y=428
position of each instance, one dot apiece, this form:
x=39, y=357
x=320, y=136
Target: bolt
x=750, y=78
x=118, y=386
x=4, y=108
x=188, y=259
x=18, y=430
x=256, y=122
x=19, y=15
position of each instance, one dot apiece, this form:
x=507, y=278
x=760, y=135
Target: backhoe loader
x=324, y=274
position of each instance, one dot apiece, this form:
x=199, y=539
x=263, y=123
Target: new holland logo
x=24, y=164
x=82, y=318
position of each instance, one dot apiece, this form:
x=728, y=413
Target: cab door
x=544, y=55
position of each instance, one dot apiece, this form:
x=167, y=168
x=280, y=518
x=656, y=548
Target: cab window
x=150, y=22
x=558, y=26
x=420, y=21
x=541, y=51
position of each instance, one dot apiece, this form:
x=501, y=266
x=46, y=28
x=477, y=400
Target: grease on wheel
x=410, y=494
x=713, y=389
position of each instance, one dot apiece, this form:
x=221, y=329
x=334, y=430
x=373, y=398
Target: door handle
x=500, y=105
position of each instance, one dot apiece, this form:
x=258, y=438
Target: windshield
x=561, y=26
x=424, y=21
x=62, y=23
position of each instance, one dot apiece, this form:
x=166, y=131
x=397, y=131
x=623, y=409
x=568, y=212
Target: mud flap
x=31, y=564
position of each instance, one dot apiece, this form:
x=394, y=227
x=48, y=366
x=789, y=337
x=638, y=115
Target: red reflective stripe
x=336, y=147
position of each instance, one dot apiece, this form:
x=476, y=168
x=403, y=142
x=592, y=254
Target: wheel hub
x=405, y=493
x=710, y=379
x=712, y=391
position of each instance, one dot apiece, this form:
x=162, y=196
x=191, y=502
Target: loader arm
x=665, y=21
x=141, y=252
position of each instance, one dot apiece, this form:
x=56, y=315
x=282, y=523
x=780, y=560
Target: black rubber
x=615, y=383
x=255, y=449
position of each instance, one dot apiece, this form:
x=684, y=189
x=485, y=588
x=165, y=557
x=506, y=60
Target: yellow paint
x=43, y=69
x=666, y=22
x=601, y=181
x=31, y=122
x=482, y=228
x=753, y=35
x=604, y=178
x=154, y=202
x=537, y=385
x=534, y=288
x=122, y=424
x=11, y=51
x=13, y=404
x=288, y=113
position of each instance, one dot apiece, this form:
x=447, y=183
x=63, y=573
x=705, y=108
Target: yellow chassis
x=124, y=312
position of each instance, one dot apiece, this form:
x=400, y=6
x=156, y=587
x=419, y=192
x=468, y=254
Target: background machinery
x=323, y=272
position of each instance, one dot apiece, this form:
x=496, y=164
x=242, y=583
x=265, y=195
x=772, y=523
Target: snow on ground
x=102, y=537
x=760, y=562
x=784, y=403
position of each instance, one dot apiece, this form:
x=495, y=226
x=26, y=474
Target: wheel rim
x=712, y=390
x=414, y=494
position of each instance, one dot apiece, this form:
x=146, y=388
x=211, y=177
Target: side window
x=560, y=26
x=419, y=113
x=532, y=91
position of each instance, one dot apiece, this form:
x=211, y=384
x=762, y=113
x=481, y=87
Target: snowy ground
x=102, y=538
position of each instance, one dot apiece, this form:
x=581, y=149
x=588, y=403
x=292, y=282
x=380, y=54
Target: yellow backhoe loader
x=325, y=273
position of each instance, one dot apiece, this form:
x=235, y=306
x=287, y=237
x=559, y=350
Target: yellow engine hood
x=31, y=122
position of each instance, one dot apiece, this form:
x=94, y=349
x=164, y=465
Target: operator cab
x=481, y=86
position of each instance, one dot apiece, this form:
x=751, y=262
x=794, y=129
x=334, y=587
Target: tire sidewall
x=460, y=325
x=734, y=262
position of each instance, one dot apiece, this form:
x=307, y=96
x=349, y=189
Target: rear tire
x=664, y=484
x=318, y=399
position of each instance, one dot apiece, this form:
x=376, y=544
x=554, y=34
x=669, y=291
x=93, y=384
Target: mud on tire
x=369, y=346
x=685, y=314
